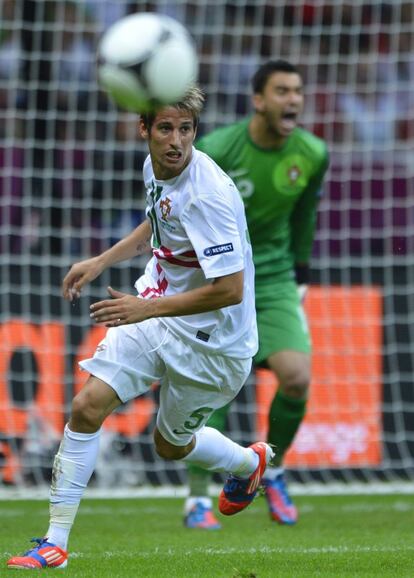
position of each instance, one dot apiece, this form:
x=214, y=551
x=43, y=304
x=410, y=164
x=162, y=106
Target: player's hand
x=79, y=275
x=122, y=309
x=302, y=291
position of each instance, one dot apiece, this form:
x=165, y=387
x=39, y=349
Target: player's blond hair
x=192, y=102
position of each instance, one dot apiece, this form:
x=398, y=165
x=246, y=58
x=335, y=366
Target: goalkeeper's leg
x=284, y=348
x=292, y=369
x=198, y=509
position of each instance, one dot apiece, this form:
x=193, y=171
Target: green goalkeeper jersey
x=280, y=189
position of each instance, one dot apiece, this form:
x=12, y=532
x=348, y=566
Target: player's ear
x=257, y=101
x=142, y=129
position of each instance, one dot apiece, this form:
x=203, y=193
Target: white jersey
x=199, y=233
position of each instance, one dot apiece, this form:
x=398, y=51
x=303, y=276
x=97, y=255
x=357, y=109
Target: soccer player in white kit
x=192, y=328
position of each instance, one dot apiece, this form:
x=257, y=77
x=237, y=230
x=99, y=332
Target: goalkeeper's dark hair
x=263, y=73
x=192, y=103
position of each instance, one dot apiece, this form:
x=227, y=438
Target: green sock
x=199, y=479
x=285, y=416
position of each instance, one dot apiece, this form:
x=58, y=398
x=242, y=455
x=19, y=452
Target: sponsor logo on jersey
x=218, y=249
x=165, y=208
x=168, y=226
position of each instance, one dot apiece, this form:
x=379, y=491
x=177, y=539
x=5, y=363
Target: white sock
x=215, y=452
x=72, y=469
x=56, y=534
x=192, y=500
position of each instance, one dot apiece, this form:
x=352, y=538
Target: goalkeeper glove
x=302, y=290
x=302, y=279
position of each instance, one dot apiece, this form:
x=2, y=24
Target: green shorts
x=281, y=320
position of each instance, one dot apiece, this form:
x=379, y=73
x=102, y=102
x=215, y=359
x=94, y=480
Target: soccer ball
x=146, y=61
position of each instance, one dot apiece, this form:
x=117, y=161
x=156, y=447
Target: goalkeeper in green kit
x=278, y=169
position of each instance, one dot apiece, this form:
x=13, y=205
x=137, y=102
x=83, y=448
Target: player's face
x=170, y=141
x=281, y=102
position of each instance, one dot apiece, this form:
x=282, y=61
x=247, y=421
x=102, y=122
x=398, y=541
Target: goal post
x=71, y=185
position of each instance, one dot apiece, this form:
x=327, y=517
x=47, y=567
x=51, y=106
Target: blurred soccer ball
x=145, y=61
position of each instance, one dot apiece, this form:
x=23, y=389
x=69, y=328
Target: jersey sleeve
x=304, y=216
x=211, y=225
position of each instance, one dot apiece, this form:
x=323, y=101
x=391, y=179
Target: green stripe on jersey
x=155, y=195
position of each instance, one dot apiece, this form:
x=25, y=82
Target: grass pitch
x=349, y=536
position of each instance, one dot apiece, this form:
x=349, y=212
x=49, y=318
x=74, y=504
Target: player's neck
x=263, y=135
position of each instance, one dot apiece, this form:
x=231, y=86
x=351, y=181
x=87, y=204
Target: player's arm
x=303, y=219
x=303, y=224
x=123, y=309
x=136, y=243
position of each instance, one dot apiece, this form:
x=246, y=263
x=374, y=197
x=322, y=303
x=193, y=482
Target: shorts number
x=198, y=416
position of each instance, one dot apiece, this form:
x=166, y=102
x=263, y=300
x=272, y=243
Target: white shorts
x=193, y=383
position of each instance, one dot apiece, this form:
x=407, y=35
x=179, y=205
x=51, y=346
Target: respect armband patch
x=218, y=249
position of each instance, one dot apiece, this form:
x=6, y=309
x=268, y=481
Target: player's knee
x=296, y=390
x=296, y=383
x=85, y=416
x=169, y=451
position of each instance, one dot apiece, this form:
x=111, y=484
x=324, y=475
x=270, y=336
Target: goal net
x=70, y=186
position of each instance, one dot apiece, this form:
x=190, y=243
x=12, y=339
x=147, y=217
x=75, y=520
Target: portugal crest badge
x=294, y=173
x=165, y=208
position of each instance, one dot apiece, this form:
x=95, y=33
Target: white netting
x=70, y=184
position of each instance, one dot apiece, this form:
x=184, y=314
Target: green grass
x=350, y=536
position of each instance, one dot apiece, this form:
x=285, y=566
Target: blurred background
x=70, y=185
